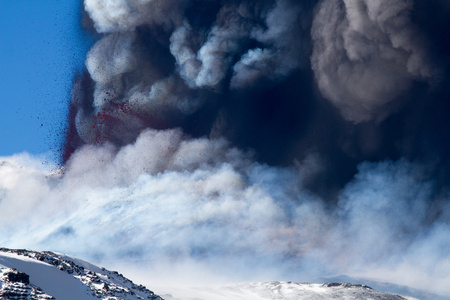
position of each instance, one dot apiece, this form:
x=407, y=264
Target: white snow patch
x=52, y=281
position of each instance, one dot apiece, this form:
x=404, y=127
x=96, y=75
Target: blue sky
x=42, y=46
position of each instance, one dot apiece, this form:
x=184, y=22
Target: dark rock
x=16, y=276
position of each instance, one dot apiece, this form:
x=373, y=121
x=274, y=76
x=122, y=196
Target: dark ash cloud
x=277, y=135
x=367, y=54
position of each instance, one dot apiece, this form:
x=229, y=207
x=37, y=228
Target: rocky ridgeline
x=108, y=285
x=16, y=285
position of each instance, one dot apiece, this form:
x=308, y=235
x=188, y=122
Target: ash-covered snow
x=26, y=274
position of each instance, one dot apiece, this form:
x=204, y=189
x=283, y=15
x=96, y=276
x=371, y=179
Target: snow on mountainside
x=386, y=287
x=16, y=285
x=26, y=274
x=33, y=275
x=285, y=291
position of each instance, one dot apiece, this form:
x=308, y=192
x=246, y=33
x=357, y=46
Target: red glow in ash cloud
x=111, y=119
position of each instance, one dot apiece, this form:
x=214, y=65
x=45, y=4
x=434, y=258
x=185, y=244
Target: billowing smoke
x=367, y=54
x=167, y=200
x=276, y=139
x=165, y=64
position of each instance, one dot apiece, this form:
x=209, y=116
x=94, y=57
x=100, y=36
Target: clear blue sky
x=42, y=46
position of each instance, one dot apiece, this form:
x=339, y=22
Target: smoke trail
x=268, y=139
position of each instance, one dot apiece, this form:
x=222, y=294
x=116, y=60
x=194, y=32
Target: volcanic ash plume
x=367, y=54
x=262, y=140
x=161, y=61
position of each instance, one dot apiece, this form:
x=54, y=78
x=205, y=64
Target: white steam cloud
x=168, y=200
x=125, y=15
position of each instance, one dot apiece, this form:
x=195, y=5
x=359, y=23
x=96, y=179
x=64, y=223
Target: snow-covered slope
x=283, y=291
x=28, y=274
x=386, y=287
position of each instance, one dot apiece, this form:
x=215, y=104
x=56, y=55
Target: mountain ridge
x=47, y=275
x=76, y=281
